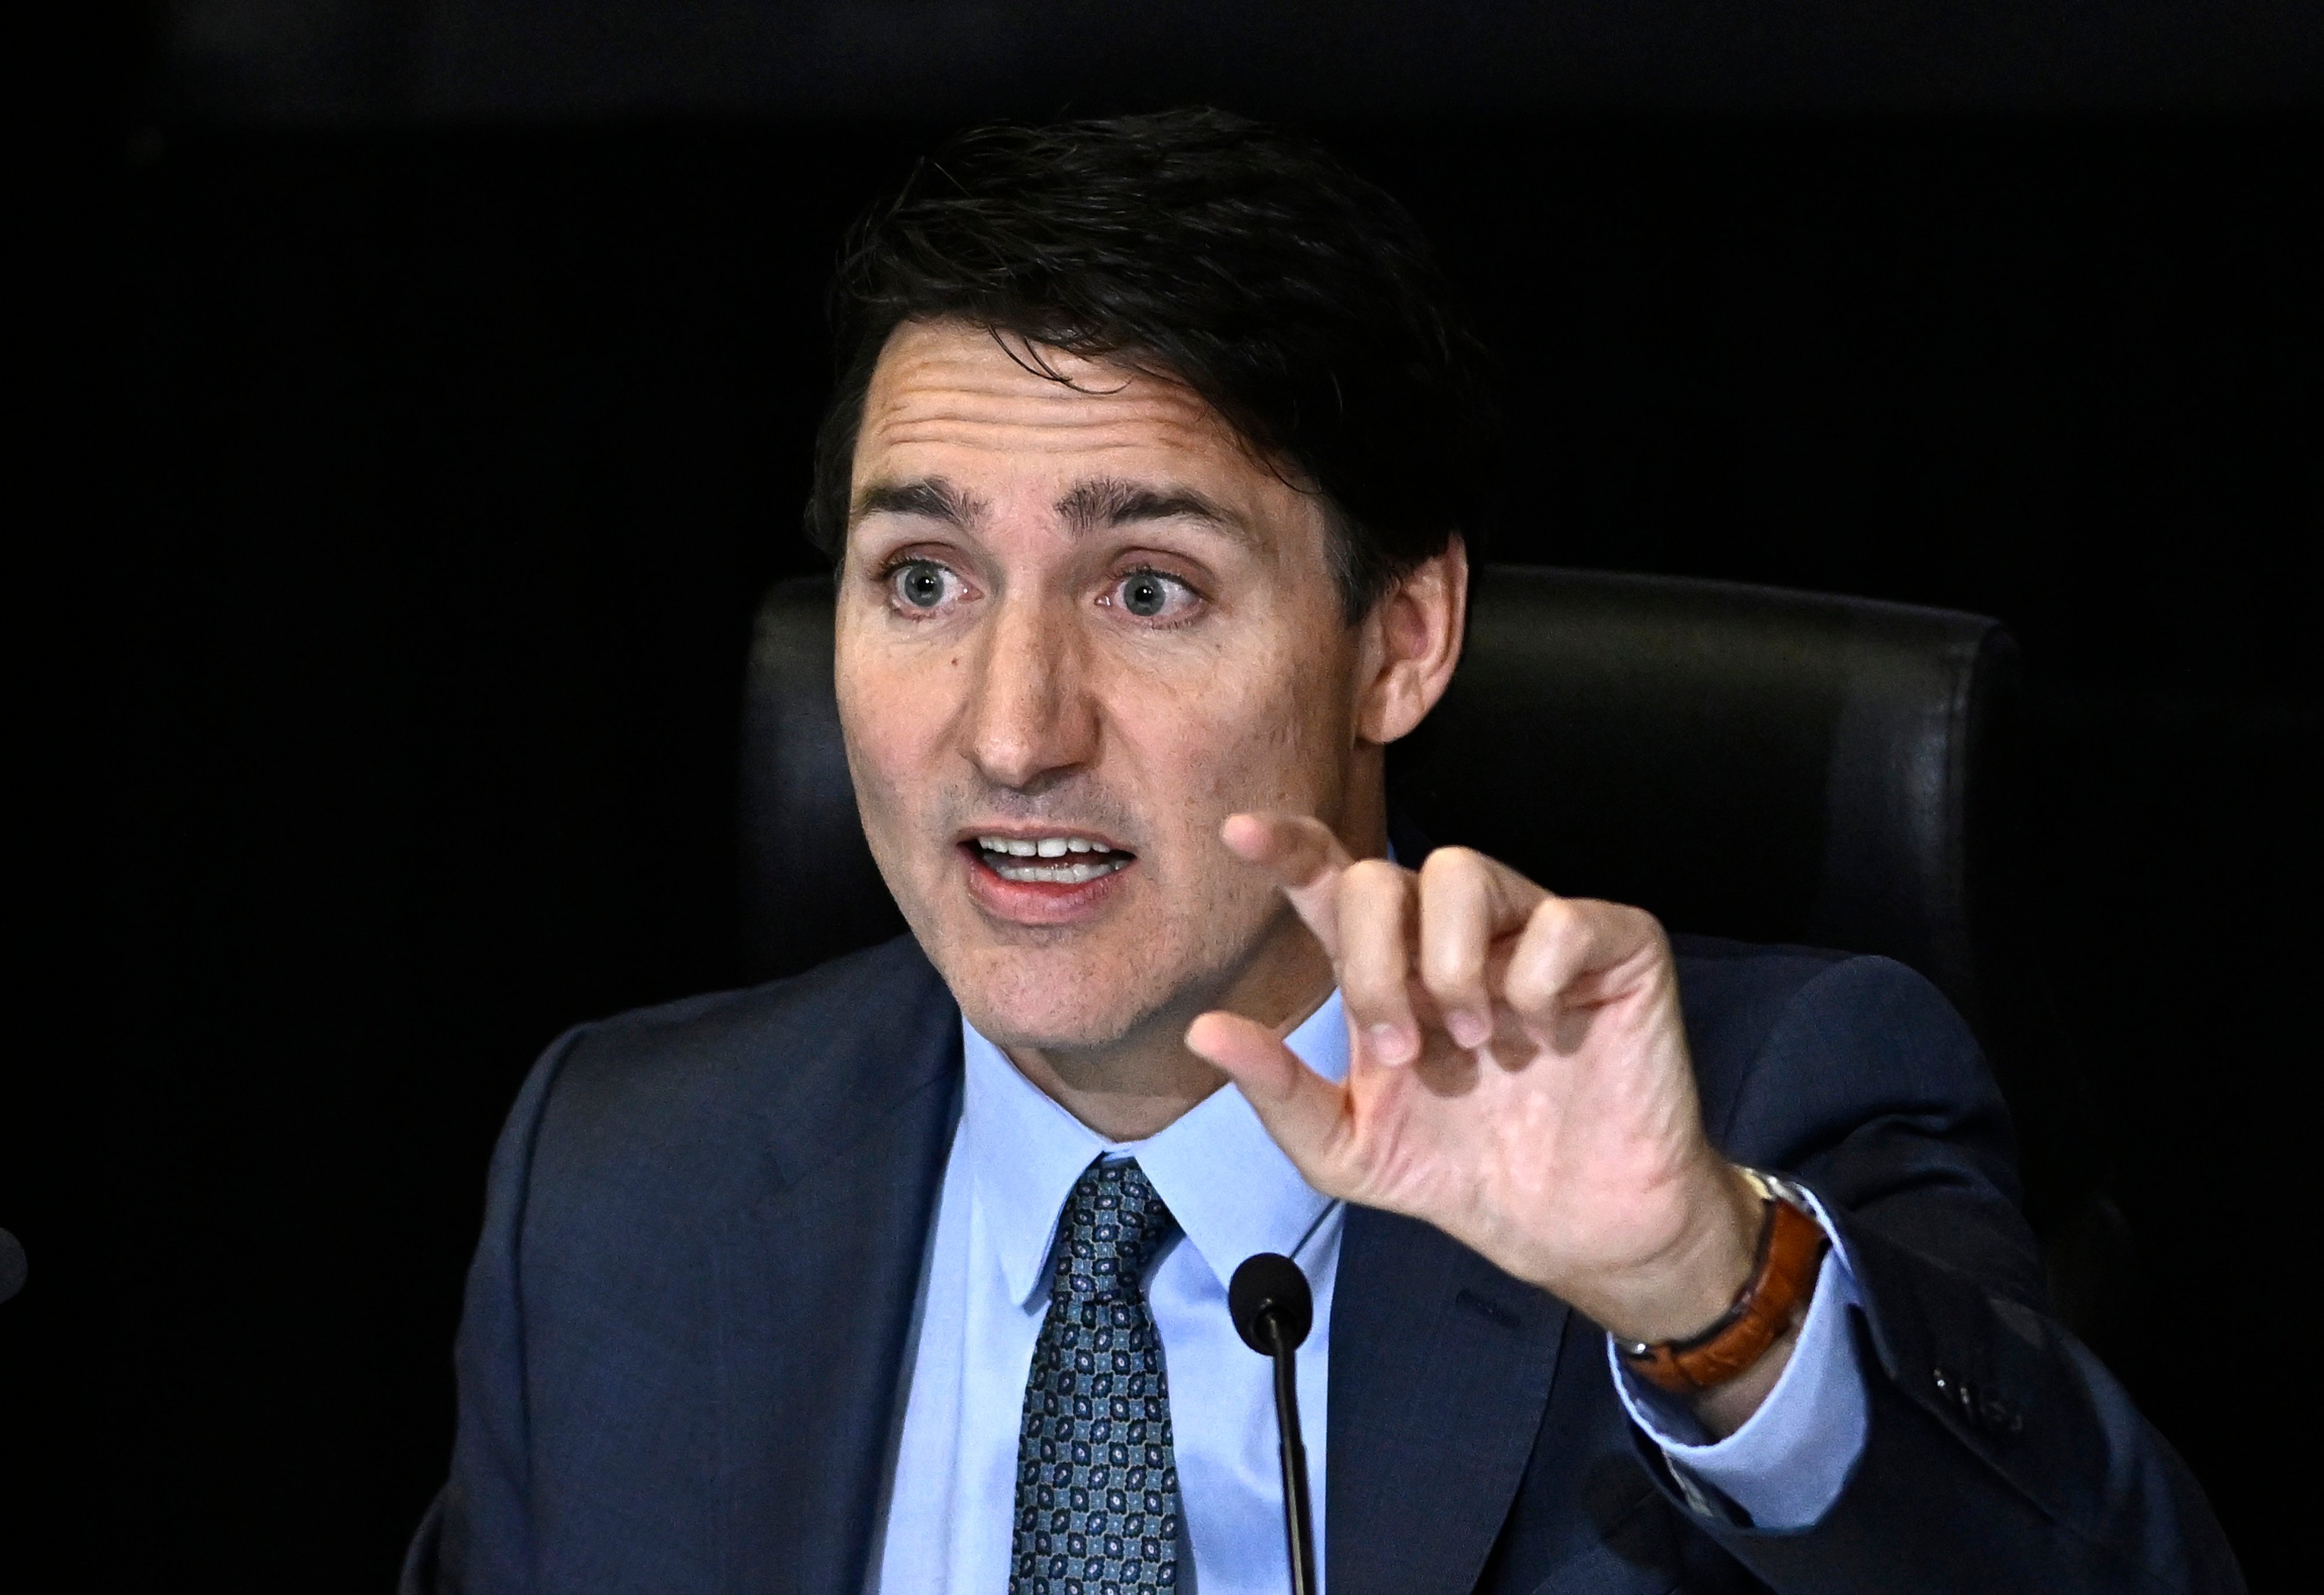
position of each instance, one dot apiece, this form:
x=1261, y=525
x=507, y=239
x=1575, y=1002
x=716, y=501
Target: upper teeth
x=1048, y=847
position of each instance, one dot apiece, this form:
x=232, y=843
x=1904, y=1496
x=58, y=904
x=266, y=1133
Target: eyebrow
x=931, y=498
x=1110, y=502
x=1102, y=502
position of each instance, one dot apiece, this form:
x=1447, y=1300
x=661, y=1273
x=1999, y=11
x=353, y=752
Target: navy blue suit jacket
x=679, y=1360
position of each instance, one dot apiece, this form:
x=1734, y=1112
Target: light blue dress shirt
x=945, y=1525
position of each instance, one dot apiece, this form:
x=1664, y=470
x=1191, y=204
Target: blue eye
x=1151, y=596
x=920, y=583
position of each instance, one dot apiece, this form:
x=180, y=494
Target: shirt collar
x=1226, y=1183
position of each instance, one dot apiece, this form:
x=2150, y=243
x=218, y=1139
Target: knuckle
x=1460, y=883
x=1528, y=987
x=1374, y=877
x=1448, y=863
x=1544, y=953
x=1374, y=891
x=1553, y=919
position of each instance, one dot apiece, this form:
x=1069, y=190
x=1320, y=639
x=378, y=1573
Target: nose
x=1033, y=718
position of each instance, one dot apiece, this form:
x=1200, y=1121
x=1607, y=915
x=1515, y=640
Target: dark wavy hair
x=1300, y=301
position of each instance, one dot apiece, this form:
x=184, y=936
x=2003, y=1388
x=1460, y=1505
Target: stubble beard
x=1144, y=967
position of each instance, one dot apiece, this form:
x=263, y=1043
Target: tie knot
x=1114, y=1224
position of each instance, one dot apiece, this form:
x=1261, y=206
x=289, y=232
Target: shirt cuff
x=1785, y=1466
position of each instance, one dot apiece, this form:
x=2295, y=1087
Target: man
x=1636, y=1268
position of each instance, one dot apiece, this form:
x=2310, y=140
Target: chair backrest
x=1744, y=761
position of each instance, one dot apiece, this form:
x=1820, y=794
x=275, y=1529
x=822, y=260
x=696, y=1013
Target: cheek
x=1265, y=731
x=893, y=713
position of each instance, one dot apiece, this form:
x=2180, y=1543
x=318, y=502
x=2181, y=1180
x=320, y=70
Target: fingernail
x=1392, y=1044
x=1468, y=1030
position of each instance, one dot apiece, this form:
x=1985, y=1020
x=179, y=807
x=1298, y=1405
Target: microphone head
x=1270, y=1284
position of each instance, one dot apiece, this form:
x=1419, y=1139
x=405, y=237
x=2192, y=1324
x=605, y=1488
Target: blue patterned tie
x=1097, y=1480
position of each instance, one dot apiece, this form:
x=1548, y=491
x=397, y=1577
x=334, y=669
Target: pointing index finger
x=1306, y=859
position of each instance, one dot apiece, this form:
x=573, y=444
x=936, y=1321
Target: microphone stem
x=1298, y=1521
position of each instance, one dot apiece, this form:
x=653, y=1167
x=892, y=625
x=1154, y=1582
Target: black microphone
x=1273, y=1311
x=12, y=1266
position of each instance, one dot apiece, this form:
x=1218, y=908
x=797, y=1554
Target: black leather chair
x=1743, y=761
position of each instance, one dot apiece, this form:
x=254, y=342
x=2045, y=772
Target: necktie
x=1097, y=1481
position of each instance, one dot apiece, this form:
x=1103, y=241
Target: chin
x=1083, y=990
x=1045, y=1030
x=1053, y=999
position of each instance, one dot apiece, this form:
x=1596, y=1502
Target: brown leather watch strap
x=1791, y=1245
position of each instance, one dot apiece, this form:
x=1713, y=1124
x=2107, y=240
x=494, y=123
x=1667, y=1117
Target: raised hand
x=1518, y=1077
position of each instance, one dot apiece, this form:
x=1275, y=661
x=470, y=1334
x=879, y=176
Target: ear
x=1412, y=640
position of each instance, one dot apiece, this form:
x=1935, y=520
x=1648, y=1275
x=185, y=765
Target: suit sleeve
x=476, y=1536
x=1999, y=1453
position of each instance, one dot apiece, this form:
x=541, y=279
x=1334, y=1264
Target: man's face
x=1078, y=626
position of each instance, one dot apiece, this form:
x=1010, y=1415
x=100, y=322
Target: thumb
x=1299, y=1108
x=1306, y=861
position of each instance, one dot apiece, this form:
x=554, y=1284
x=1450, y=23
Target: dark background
x=467, y=358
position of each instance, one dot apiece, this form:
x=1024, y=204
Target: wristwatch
x=1783, y=1274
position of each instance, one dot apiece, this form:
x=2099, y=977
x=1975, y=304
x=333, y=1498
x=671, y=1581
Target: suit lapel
x=816, y=1286
x=1441, y=1368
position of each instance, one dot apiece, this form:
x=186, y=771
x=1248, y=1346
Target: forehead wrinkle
x=948, y=395
x=1020, y=439
x=951, y=407
x=942, y=390
x=974, y=365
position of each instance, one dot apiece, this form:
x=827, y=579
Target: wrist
x=1692, y=1282
x=1751, y=1337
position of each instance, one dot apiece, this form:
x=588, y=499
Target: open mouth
x=1050, y=861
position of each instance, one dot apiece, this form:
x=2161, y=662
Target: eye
x=1144, y=594
x=921, y=583
x=1151, y=596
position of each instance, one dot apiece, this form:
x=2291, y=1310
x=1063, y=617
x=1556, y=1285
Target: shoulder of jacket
x=1734, y=993
x=1737, y=997
x=732, y=1077
x=849, y=992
